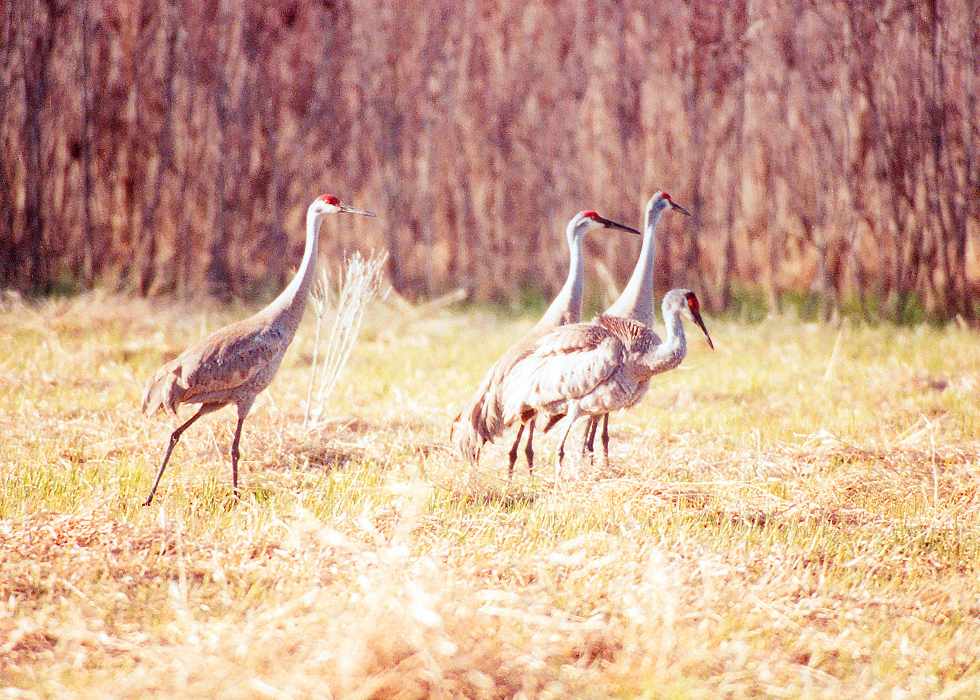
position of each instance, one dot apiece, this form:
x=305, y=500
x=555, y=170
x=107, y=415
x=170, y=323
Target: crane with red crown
x=591, y=369
x=479, y=422
x=235, y=363
x=636, y=301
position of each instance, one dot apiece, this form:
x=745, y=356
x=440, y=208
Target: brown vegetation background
x=172, y=146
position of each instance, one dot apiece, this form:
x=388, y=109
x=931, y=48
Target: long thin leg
x=572, y=416
x=174, y=437
x=529, y=448
x=605, y=438
x=513, y=453
x=242, y=412
x=588, y=437
x=552, y=420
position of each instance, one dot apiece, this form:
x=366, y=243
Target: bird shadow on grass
x=691, y=499
x=502, y=500
x=312, y=455
x=355, y=425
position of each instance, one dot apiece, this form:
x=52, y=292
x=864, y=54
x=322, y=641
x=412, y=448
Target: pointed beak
x=348, y=209
x=677, y=207
x=696, y=315
x=609, y=223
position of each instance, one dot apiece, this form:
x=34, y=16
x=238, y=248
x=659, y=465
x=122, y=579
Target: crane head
x=330, y=204
x=685, y=303
x=694, y=311
x=661, y=201
x=590, y=219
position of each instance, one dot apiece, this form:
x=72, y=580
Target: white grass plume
x=362, y=281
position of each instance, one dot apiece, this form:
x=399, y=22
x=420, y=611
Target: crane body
x=479, y=421
x=236, y=363
x=636, y=301
x=591, y=369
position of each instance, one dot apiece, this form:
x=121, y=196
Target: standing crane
x=636, y=300
x=235, y=363
x=595, y=368
x=479, y=420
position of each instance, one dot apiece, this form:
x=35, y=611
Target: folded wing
x=566, y=364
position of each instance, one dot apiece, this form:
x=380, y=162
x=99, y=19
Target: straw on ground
x=765, y=526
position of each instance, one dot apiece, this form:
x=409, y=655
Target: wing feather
x=215, y=368
x=231, y=358
x=481, y=420
x=566, y=364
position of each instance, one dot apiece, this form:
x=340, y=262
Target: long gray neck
x=636, y=301
x=671, y=352
x=567, y=306
x=287, y=308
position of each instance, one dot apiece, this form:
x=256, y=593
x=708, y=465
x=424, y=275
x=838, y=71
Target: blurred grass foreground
x=795, y=514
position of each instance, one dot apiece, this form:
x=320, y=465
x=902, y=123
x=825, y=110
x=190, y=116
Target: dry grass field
x=779, y=518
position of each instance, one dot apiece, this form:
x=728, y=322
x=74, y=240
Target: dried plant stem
x=317, y=296
x=362, y=281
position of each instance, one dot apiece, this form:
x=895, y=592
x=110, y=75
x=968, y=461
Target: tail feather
x=163, y=390
x=487, y=414
x=481, y=420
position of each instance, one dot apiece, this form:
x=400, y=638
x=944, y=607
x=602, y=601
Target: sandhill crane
x=594, y=368
x=636, y=300
x=474, y=425
x=235, y=363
